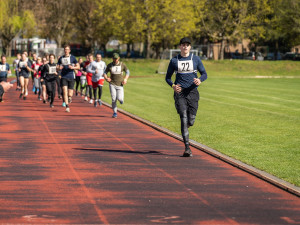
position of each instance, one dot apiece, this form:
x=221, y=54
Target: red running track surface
x=85, y=167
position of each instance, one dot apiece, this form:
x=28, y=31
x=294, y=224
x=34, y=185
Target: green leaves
x=13, y=22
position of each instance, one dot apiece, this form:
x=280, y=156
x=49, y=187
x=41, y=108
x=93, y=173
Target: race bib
x=52, y=69
x=116, y=70
x=66, y=61
x=100, y=66
x=22, y=64
x=185, y=66
x=2, y=68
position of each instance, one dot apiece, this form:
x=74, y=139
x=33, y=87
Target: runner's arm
x=169, y=74
x=202, y=70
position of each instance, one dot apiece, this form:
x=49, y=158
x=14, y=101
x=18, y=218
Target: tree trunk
x=8, y=50
x=223, y=42
x=103, y=46
x=59, y=41
x=148, y=44
x=128, y=50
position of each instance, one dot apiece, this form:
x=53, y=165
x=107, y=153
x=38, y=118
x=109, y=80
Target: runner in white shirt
x=98, y=68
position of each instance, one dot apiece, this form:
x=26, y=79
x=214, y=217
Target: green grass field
x=254, y=120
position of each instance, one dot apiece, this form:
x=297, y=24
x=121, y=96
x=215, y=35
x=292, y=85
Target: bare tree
x=58, y=20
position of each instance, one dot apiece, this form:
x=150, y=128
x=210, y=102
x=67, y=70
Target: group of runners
x=87, y=77
x=46, y=74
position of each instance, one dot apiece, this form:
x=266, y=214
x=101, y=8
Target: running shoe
x=21, y=95
x=91, y=101
x=67, y=109
x=121, y=102
x=114, y=115
x=44, y=101
x=70, y=99
x=99, y=102
x=51, y=106
x=64, y=104
x=59, y=97
x=187, y=152
x=24, y=98
x=85, y=98
x=95, y=103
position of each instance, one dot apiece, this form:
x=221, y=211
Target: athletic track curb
x=236, y=163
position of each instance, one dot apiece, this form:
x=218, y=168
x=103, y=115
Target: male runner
x=116, y=81
x=67, y=64
x=4, y=70
x=186, y=95
x=98, y=68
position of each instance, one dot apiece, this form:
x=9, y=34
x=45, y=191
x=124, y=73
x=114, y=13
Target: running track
x=85, y=167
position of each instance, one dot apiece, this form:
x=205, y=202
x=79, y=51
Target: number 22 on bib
x=185, y=66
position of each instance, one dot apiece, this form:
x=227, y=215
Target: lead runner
x=186, y=95
x=67, y=64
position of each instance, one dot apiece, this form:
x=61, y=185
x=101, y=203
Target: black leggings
x=51, y=88
x=186, y=120
x=59, y=90
x=77, y=83
x=99, y=92
x=89, y=89
x=186, y=104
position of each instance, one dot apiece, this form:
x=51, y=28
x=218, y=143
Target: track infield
x=85, y=167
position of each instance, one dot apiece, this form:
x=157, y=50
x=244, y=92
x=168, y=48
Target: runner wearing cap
x=186, y=95
x=116, y=81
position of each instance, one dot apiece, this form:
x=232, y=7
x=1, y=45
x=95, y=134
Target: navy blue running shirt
x=186, y=70
x=65, y=61
x=3, y=69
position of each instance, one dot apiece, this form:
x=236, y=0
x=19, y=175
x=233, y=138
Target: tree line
x=159, y=24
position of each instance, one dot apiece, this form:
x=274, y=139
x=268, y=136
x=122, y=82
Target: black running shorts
x=25, y=75
x=187, y=101
x=3, y=79
x=67, y=82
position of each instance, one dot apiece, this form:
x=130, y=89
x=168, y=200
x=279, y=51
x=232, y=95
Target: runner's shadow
x=120, y=151
x=85, y=116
